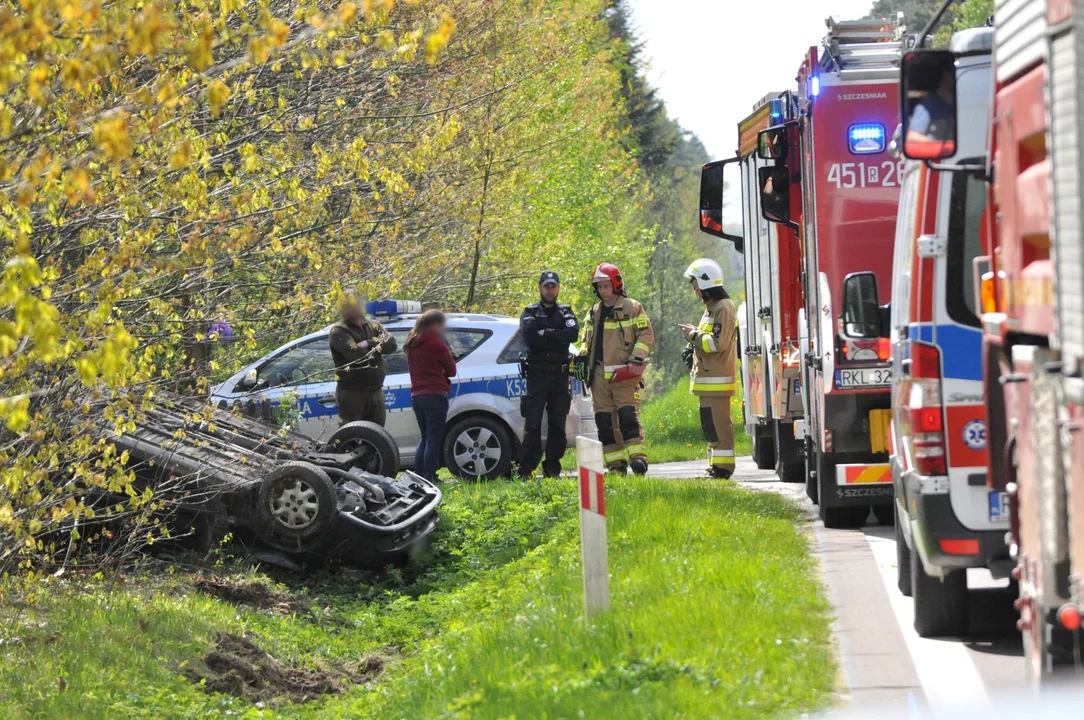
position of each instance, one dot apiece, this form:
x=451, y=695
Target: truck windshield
x=964, y=243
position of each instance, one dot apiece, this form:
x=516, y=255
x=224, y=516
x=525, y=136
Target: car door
x=400, y=423
x=303, y=376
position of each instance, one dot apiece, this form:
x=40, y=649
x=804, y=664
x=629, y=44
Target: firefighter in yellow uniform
x=617, y=339
x=713, y=369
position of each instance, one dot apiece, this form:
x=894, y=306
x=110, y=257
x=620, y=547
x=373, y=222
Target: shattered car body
x=303, y=499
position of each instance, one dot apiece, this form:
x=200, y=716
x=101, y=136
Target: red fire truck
x=824, y=179
x=1032, y=300
x=768, y=320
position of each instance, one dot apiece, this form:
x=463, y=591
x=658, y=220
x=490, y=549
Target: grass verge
x=716, y=612
x=672, y=426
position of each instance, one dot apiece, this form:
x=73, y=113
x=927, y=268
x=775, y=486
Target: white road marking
x=948, y=674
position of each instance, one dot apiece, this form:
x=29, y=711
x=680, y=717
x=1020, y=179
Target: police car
x=485, y=426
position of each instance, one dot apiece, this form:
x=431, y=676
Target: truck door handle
x=905, y=366
x=327, y=400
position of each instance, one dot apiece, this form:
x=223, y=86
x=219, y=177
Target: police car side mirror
x=928, y=104
x=252, y=381
x=862, y=316
x=713, y=185
x=774, y=183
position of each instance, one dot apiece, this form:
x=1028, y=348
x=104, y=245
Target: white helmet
x=707, y=273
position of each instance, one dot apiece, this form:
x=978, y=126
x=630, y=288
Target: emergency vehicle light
x=776, y=108
x=393, y=307
x=866, y=138
x=814, y=86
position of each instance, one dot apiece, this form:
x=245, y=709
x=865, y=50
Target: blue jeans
x=432, y=413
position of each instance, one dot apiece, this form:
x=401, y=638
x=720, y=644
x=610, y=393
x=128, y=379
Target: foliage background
x=188, y=184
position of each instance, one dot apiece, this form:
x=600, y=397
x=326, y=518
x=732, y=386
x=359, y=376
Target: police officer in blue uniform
x=548, y=329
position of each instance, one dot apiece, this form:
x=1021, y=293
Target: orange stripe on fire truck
x=865, y=474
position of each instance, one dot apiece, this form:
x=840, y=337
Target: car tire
x=478, y=447
x=940, y=605
x=380, y=454
x=297, y=502
x=885, y=514
x=903, y=556
x=763, y=450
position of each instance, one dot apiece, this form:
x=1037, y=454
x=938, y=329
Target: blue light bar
x=866, y=138
x=814, y=86
x=393, y=307
x=776, y=106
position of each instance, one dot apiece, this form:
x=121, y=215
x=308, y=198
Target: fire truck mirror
x=775, y=193
x=928, y=99
x=716, y=179
x=862, y=316
x=772, y=143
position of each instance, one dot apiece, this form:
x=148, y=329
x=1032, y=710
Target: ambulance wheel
x=940, y=605
x=885, y=513
x=903, y=556
x=763, y=449
x=478, y=448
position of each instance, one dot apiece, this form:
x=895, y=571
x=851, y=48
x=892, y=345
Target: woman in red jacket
x=431, y=365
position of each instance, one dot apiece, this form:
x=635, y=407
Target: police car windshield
x=964, y=242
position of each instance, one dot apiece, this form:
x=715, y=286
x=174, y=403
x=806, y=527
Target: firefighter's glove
x=579, y=368
x=687, y=356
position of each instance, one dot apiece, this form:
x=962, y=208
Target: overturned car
x=227, y=472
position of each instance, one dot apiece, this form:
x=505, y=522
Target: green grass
x=716, y=612
x=672, y=426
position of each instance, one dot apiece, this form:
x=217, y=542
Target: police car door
x=401, y=422
x=304, y=375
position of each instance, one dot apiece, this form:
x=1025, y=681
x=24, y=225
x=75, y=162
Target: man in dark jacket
x=548, y=329
x=358, y=346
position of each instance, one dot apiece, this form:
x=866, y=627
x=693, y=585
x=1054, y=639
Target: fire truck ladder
x=859, y=48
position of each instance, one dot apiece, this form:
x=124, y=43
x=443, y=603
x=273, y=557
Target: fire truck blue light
x=866, y=138
x=814, y=86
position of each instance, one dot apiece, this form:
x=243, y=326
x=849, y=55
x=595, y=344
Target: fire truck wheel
x=841, y=518
x=810, y=478
x=940, y=605
x=763, y=449
x=884, y=513
x=903, y=557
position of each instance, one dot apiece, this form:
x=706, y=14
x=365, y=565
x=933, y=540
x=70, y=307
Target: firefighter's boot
x=718, y=429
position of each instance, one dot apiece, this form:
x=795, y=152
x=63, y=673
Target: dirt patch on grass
x=238, y=666
x=252, y=594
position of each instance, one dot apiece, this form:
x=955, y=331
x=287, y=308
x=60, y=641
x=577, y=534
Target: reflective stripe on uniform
x=642, y=347
x=641, y=321
x=637, y=450
x=713, y=384
x=708, y=343
x=608, y=371
x=613, y=457
x=723, y=458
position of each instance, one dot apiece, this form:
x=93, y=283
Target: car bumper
x=371, y=539
x=945, y=544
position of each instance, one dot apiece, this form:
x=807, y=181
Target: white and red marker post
x=596, y=572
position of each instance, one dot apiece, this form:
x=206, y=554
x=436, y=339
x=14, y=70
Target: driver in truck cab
x=358, y=346
x=714, y=360
x=617, y=339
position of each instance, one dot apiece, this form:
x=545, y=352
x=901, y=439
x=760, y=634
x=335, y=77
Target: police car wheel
x=297, y=501
x=376, y=450
x=478, y=448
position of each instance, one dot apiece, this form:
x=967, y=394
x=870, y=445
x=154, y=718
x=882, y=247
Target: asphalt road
x=885, y=664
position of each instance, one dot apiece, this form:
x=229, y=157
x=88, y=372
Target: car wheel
x=478, y=448
x=940, y=605
x=374, y=446
x=297, y=502
x=903, y=556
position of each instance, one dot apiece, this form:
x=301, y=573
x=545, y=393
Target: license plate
x=864, y=377
x=999, y=506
